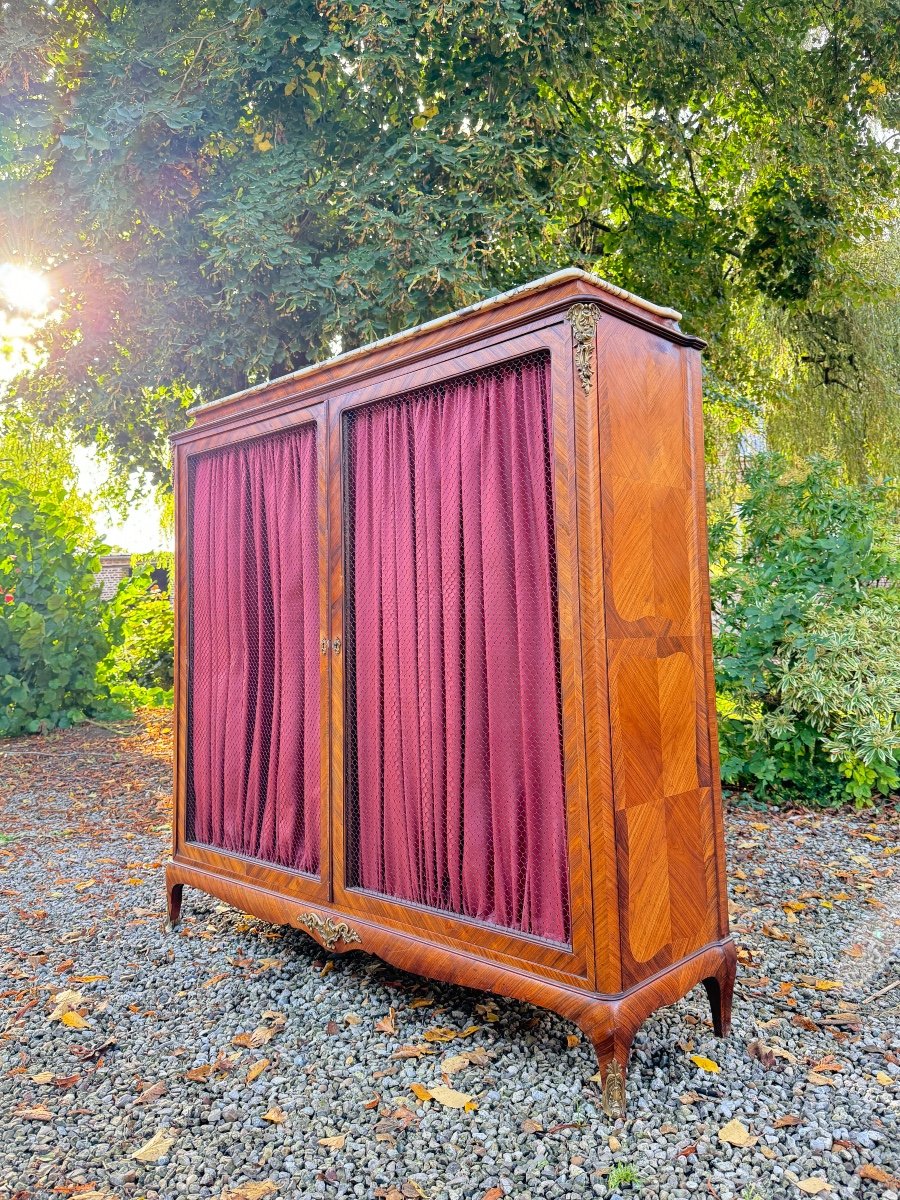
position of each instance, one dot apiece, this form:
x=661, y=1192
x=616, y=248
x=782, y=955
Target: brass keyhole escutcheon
x=324, y=645
x=336, y=645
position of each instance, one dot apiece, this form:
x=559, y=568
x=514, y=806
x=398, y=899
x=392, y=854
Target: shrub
x=52, y=632
x=139, y=670
x=806, y=609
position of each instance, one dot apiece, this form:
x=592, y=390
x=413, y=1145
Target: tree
x=227, y=191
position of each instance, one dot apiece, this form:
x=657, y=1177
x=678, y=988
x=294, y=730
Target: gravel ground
x=103, y=1015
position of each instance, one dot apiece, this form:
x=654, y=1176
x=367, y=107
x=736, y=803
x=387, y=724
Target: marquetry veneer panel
x=531, y=497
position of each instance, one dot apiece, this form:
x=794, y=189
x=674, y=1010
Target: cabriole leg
x=173, y=900
x=720, y=989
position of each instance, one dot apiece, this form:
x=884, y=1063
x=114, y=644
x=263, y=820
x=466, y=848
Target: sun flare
x=23, y=289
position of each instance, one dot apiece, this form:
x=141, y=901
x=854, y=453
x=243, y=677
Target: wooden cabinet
x=444, y=686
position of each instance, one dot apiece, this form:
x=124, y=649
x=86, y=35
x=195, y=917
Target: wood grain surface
x=643, y=807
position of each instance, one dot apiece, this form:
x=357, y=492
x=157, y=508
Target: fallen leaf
x=421, y=1002
x=148, y=1095
x=784, y=1122
x=36, y=1112
x=88, y=978
x=440, y=1034
x=374, y=1102
x=448, y=1096
x=250, y=1191
x=253, y=1041
x=818, y=1080
x=256, y=1069
x=412, y=1051
x=529, y=1125
x=386, y=1024
x=334, y=1143
x=65, y=1081
x=687, y=1151
x=689, y=1098
x=352, y=1018
x=614, y=1144
x=855, y=951
x=275, y=1114
x=213, y=980
x=772, y=931
x=74, y=1020
x=63, y=1002
x=705, y=1064
x=826, y=985
x=884, y=1079
x=420, y=1090
x=736, y=1134
x=476, y=1057
x=767, y=1151
x=572, y=1040
x=813, y=1185
x=153, y=1150
x=199, y=1074
x=83, y=887
x=42, y=1077
x=493, y=1193
x=878, y=1175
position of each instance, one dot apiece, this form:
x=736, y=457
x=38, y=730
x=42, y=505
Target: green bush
x=52, y=631
x=806, y=609
x=139, y=670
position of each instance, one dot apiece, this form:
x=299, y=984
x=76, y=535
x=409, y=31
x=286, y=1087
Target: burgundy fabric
x=460, y=797
x=255, y=711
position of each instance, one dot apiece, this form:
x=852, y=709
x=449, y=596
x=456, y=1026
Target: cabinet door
x=458, y=772
x=254, y=672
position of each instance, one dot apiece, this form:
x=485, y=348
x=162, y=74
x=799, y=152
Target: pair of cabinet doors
x=377, y=631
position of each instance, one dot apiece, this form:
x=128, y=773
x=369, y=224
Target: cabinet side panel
x=654, y=596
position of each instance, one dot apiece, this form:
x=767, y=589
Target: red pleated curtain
x=254, y=712
x=455, y=761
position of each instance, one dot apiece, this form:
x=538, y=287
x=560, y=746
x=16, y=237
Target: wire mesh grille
x=454, y=766
x=254, y=733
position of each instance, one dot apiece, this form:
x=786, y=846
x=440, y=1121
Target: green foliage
x=623, y=1174
x=806, y=607
x=139, y=669
x=223, y=191
x=52, y=635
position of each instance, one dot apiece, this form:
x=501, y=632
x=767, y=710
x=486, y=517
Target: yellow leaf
x=826, y=985
x=153, y=1150
x=47, y=1077
x=334, y=1143
x=351, y=1018
x=882, y=1077
x=813, y=1186
x=73, y=1020
x=422, y=1002
x=705, y=1064
x=36, y=1112
x=420, y=1090
x=468, y=1031
x=736, y=1134
x=439, y=1034
x=290, y=88
x=83, y=887
x=456, y=1062
x=448, y=1096
x=257, y=1069
x=88, y=978
x=470, y=1106
x=572, y=1040
x=818, y=1080
x=276, y=1115
x=250, y=1191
